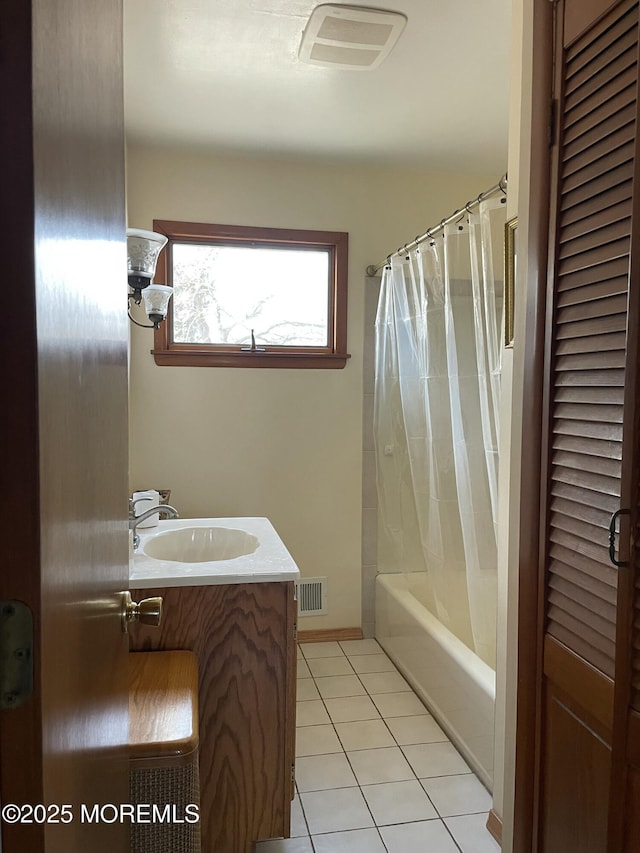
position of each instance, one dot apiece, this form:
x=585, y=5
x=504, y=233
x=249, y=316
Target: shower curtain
x=436, y=418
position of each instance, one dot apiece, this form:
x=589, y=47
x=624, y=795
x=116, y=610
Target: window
x=253, y=297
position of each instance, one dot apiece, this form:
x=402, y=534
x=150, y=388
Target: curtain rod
x=501, y=186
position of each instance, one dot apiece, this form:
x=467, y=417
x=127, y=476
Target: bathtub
x=457, y=687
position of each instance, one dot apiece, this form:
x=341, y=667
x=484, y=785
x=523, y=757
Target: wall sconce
x=143, y=250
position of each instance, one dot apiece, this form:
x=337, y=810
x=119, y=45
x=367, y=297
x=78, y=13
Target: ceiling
x=224, y=75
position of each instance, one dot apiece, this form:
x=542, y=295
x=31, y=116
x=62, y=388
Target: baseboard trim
x=494, y=825
x=329, y=634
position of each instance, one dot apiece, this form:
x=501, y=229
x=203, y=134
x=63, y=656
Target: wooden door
x=63, y=429
x=589, y=453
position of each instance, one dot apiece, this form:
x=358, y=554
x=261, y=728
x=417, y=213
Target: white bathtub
x=457, y=687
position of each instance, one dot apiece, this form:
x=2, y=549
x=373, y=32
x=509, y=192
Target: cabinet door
x=588, y=454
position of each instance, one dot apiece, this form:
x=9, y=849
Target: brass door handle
x=147, y=612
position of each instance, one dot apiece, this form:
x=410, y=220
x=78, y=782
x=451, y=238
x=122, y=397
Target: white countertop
x=269, y=562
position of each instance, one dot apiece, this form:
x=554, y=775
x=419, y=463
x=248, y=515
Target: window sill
x=194, y=358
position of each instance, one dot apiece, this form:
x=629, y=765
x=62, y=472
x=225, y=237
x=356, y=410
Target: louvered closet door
x=588, y=364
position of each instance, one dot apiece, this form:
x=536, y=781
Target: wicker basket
x=163, y=765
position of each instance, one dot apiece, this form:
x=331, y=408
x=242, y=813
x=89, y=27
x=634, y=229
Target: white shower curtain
x=436, y=418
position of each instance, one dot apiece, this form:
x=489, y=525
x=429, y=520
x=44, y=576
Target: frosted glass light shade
x=156, y=301
x=143, y=249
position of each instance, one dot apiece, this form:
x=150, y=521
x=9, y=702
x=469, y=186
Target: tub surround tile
x=430, y=835
x=316, y=740
x=369, y=488
x=435, y=759
x=364, y=734
x=323, y=772
x=369, y=536
x=353, y=841
x=351, y=709
x=321, y=667
x=384, y=682
x=398, y=802
x=368, y=628
x=321, y=650
x=471, y=833
x=338, y=686
x=306, y=690
x=336, y=810
x=372, y=766
x=368, y=440
x=457, y=795
x=371, y=663
x=311, y=713
x=410, y=730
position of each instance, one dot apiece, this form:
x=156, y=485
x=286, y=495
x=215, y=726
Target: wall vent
x=352, y=38
x=312, y=596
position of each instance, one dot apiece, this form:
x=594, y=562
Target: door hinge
x=16, y=653
x=293, y=774
x=553, y=122
x=295, y=633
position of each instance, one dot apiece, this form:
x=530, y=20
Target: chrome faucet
x=134, y=521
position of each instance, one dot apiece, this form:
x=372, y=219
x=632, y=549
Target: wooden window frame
x=333, y=356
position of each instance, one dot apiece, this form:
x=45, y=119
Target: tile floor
x=375, y=773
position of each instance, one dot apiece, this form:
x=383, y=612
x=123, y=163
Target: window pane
x=221, y=293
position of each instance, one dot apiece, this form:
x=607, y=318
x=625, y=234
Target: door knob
x=147, y=612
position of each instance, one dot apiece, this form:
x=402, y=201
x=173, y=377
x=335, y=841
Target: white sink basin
x=201, y=544
x=203, y=551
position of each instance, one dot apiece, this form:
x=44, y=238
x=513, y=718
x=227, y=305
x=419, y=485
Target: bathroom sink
x=201, y=544
x=202, y=551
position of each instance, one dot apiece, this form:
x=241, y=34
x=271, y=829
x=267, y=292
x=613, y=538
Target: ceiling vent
x=352, y=38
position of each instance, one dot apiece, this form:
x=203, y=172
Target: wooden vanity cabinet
x=244, y=639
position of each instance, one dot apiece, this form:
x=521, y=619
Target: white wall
x=286, y=444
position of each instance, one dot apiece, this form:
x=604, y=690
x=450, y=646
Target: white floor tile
x=371, y=663
x=311, y=713
x=298, y=823
x=306, y=690
x=471, y=834
x=360, y=647
x=398, y=802
x=430, y=835
x=364, y=734
x=336, y=810
x=408, y=730
x=399, y=704
x=354, y=841
x=372, y=766
x=321, y=667
x=285, y=845
x=434, y=759
x=321, y=772
x=458, y=795
x=320, y=650
x=316, y=740
x=352, y=708
x=303, y=670
x=384, y=682
x=337, y=686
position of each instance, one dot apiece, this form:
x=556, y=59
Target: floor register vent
x=312, y=596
